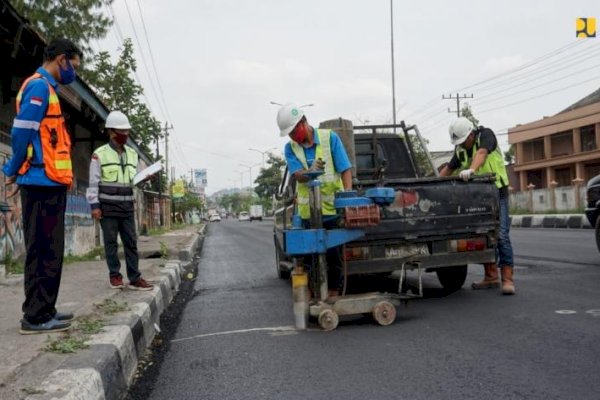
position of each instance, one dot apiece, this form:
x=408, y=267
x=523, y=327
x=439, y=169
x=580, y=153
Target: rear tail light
x=356, y=253
x=462, y=245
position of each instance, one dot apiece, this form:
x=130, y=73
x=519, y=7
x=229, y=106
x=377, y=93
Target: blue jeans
x=504, y=251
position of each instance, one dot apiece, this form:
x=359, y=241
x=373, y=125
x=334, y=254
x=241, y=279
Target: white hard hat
x=460, y=129
x=117, y=120
x=288, y=117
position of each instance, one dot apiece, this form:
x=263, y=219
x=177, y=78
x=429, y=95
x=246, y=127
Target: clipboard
x=147, y=173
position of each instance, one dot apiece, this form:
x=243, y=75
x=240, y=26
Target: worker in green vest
x=311, y=148
x=110, y=194
x=316, y=149
x=477, y=152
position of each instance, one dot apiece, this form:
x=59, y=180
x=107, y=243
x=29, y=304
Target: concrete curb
x=567, y=221
x=107, y=368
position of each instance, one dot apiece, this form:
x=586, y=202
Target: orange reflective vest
x=55, y=140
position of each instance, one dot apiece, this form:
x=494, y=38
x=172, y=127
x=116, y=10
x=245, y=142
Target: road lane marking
x=594, y=313
x=277, y=329
x=565, y=312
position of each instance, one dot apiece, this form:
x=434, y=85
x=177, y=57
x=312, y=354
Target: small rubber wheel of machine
x=384, y=313
x=328, y=320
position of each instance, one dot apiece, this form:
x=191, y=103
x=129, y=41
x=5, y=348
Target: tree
x=509, y=155
x=235, y=202
x=116, y=87
x=468, y=114
x=78, y=20
x=269, y=179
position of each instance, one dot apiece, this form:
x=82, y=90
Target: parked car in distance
x=592, y=210
x=243, y=216
x=214, y=218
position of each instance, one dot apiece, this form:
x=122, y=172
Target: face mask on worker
x=300, y=133
x=67, y=75
x=120, y=138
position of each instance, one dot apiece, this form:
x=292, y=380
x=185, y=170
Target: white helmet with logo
x=288, y=117
x=460, y=129
x=117, y=120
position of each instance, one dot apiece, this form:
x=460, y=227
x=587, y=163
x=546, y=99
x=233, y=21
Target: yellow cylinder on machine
x=300, y=296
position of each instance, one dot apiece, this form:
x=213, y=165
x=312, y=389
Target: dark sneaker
x=63, y=317
x=116, y=282
x=53, y=325
x=140, y=284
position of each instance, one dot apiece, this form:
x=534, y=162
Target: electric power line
x=152, y=61
x=537, y=86
x=541, y=95
x=137, y=39
x=536, y=61
x=527, y=65
x=478, y=101
x=568, y=61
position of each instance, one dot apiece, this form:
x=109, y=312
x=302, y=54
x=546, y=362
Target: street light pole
x=250, y=171
x=262, y=153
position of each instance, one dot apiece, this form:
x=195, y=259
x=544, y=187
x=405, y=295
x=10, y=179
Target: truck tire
x=452, y=278
x=281, y=273
x=598, y=233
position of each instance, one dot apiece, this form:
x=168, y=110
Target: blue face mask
x=67, y=75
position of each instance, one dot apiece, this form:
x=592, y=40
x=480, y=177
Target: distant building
x=560, y=150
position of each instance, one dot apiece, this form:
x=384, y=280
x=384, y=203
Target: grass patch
x=90, y=256
x=164, y=250
x=89, y=326
x=66, y=344
x=157, y=231
x=111, y=307
x=30, y=391
x=12, y=265
x=163, y=230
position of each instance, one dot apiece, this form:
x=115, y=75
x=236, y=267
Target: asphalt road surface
x=235, y=339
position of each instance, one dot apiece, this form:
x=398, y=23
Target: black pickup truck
x=443, y=223
x=592, y=210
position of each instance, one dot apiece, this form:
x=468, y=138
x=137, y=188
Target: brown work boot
x=508, y=286
x=140, y=284
x=116, y=282
x=490, y=279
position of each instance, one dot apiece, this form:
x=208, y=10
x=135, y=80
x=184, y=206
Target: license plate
x=406, y=251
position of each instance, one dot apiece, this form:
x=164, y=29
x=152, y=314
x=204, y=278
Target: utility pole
x=167, y=127
x=458, y=98
x=160, y=207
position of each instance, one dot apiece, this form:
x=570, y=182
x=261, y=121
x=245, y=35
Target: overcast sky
x=221, y=62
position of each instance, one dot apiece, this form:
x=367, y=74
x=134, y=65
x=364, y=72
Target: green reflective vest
x=115, y=189
x=494, y=163
x=331, y=181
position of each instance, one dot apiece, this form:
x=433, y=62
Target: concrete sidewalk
x=128, y=320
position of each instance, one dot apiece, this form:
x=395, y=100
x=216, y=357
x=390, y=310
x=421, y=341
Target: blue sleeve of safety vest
x=34, y=103
x=294, y=165
x=340, y=157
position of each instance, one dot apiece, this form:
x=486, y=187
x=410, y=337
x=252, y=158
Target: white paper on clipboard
x=147, y=173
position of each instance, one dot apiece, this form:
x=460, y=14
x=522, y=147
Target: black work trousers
x=44, y=235
x=125, y=227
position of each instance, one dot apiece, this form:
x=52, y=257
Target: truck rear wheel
x=281, y=273
x=452, y=278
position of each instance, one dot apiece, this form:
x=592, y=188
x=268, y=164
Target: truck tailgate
x=438, y=207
